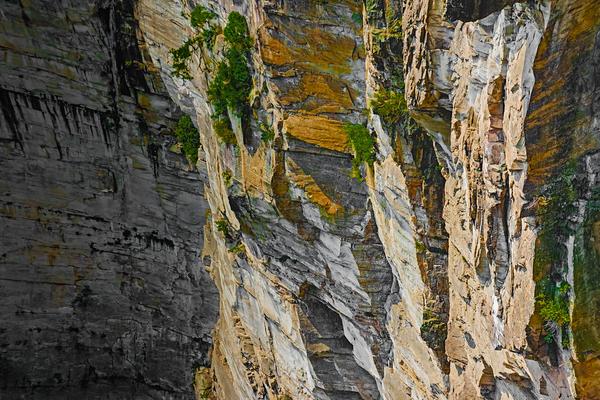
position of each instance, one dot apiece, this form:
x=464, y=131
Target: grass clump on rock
x=267, y=134
x=187, y=136
x=222, y=129
x=390, y=105
x=232, y=83
x=363, y=146
x=553, y=303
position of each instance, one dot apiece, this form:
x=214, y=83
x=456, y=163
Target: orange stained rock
x=273, y=51
x=314, y=193
x=309, y=49
x=320, y=93
x=320, y=131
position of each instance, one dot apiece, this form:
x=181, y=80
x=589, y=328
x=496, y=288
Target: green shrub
x=236, y=32
x=433, y=329
x=555, y=206
x=231, y=84
x=209, y=35
x=187, y=136
x=181, y=57
x=222, y=128
x=357, y=18
x=390, y=105
x=223, y=226
x=553, y=305
x=227, y=177
x=200, y=15
x=392, y=31
x=363, y=145
x=371, y=7
x=554, y=309
x=239, y=248
x=267, y=133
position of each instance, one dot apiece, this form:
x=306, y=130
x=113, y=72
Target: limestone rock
x=103, y=292
x=404, y=205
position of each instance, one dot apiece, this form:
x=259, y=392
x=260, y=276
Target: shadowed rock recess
x=391, y=199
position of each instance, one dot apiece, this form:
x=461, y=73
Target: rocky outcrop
x=507, y=203
x=103, y=291
x=423, y=280
x=401, y=197
x=306, y=279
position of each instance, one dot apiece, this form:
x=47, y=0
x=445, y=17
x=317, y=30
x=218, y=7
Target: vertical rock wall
x=102, y=291
x=459, y=263
x=457, y=196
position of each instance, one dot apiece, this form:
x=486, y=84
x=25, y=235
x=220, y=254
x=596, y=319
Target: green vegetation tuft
x=200, y=15
x=231, y=84
x=222, y=226
x=390, y=105
x=393, y=30
x=267, y=133
x=199, y=19
x=433, y=329
x=239, y=248
x=556, y=205
x=420, y=247
x=209, y=34
x=363, y=145
x=227, y=177
x=181, y=57
x=236, y=32
x=553, y=301
x=187, y=136
x=222, y=129
x=371, y=7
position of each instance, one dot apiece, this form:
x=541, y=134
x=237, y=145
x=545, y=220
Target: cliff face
x=397, y=199
x=455, y=267
x=103, y=292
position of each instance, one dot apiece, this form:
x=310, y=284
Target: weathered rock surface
x=457, y=203
x=102, y=291
x=461, y=264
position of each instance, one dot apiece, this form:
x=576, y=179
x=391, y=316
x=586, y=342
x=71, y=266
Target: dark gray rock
x=103, y=293
x=472, y=10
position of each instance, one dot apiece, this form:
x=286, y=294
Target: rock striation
x=451, y=274
x=103, y=292
x=397, y=199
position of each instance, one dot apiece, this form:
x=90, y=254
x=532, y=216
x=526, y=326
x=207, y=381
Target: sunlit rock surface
x=462, y=263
